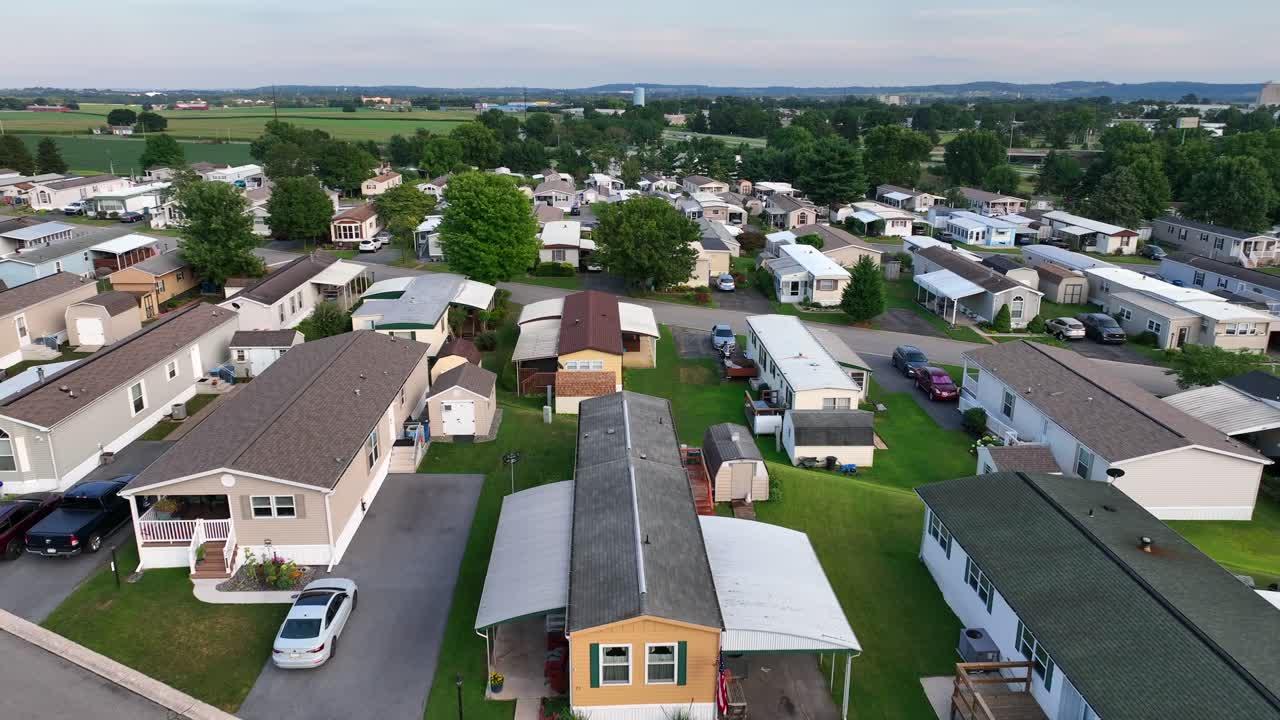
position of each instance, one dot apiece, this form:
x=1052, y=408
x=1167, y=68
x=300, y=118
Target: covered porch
x=197, y=531
x=942, y=291
x=342, y=283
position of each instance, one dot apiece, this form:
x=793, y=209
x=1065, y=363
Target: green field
x=103, y=154
x=245, y=123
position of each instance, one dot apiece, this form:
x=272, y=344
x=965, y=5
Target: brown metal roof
x=461, y=347
x=37, y=291
x=590, y=321
x=89, y=380
x=585, y=383
x=466, y=376
x=285, y=280
x=974, y=272
x=115, y=301
x=302, y=420
x=1054, y=273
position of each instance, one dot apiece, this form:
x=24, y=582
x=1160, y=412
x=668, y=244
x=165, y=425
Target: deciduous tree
x=15, y=155
x=344, y=166
x=488, y=232
x=892, y=154
x=151, y=122
x=1001, y=178
x=217, y=238
x=122, y=116
x=646, y=241
x=480, y=146
x=1232, y=191
x=300, y=209
x=971, y=154
x=402, y=208
x=161, y=150
x=441, y=155
x=1206, y=365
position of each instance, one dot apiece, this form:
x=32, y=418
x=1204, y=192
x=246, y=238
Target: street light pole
x=458, y=682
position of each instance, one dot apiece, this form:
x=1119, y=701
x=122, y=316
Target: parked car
x=132, y=216
x=936, y=383
x=75, y=208
x=725, y=283
x=308, y=637
x=1065, y=328
x=908, y=359
x=594, y=267
x=722, y=335
x=86, y=514
x=17, y=516
x=383, y=238
x=1102, y=327
x=1153, y=251
x=369, y=246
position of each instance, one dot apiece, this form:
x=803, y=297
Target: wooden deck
x=994, y=691
x=699, y=483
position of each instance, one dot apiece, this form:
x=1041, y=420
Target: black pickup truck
x=87, y=513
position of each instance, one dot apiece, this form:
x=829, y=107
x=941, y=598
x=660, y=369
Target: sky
x=249, y=43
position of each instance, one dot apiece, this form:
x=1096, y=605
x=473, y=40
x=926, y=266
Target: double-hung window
x=171, y=369
x=273, y=506
x=1197, y=279
x=835, y=403
x=7, y=459
x=1084, y=462
x=826, y=284
x=660, y=664
x=980, y=583
x=1153, y=326
x=1031, y=649
x=137, y=398
x=1007, y=404
x=371, y=450
x=939, y=532
x=584, y=365
x=615, y=664
x=557, y=256
x=1016, y=307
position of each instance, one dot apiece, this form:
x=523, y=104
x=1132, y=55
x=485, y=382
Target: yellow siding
x=612, y=363
x=812, y=399
x=701, y=664
x=645, y=357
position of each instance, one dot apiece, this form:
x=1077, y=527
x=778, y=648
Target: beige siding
x=812, y=399
x=45, y=318
x=1193, y=484
x=306, y=529
x=114, y=328
x=701, y=663
x=849, y=255
x=31, y=451
x=1252, y=343
x=645, y=357
x=828, y=297
x=484, y=409
x=723, y=480
x=861, y=456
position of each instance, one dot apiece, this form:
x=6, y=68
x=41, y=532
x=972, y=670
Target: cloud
x=959, y=13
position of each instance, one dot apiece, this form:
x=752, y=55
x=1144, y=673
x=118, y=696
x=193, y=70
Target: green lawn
x=66, y=355
x=901, y=293
x=985, y=249
x=1050, y=309
x=1251, y=548
x=157, y=626
x=831, y=318
x=572, y=282
x=105, y=154
x=161, y=430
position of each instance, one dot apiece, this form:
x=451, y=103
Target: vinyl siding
x=701, y=663
x=34, y=445
x=612, y=363
x=723, y=481
x=44, y=318
x=308, y=529
x=849, y=255
x=484, y=409
x=645, y=357
x=812, y=399
x=1173, y=485
x=114, y=328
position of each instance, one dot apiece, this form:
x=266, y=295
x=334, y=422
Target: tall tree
x=344, y=166
x=541, y=128
x=831, y=172
x=1119, y=198
x=401, y=151
x=217, y=238
x=646, y=241
x=299, y=209
x=441, y=155
x=1232, y=191
x=1001, y=178
x=49, y=157
x=1059, y=175
x=1206, y=365
x=286, y=160
x=152, y=122
x=161, y=150
x=15, y=155
x=402, y=208
x=971, y=154
x=122, y=116
x=892, y=154
x=480, y=146
x=488, y=232
x=631, y=172
x=864, y=296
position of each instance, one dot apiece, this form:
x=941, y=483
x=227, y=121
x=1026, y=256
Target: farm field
x=91, y=153
x=245, y=123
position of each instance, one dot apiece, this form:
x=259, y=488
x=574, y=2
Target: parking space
x=693, y=343
x=745, y=299
x=1115, y=353
x=31, y=587
x=405, y=561
x=892, y=380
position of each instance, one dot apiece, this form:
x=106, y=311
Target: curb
x=112, y=671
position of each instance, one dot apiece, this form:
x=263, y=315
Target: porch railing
x=982, y=690
x=197, y=540
x=181, y=530
x=229, y=549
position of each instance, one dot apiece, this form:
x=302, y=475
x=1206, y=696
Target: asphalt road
x=37, y=684
x=405, y=561
x=32, y=587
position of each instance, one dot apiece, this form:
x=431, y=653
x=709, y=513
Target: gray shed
x=734, y=463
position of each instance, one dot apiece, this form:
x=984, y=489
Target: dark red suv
x=936, y=383
x=17, y=516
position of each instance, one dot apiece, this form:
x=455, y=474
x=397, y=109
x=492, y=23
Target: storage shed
x=734, y=464
x=846, y=435
x=1013, y=270
x=462, y=402
x=103, y=319
x=1063, y=285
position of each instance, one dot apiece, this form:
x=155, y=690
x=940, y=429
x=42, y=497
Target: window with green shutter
x=682, y=665
x=595, y=665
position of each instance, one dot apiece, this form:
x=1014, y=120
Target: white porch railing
x=180, y=530
x=197, y=540
x=1002, y=430
x=229, y=549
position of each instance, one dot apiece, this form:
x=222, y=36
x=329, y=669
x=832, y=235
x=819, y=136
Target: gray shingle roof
x=719, y=447
x=102, y=372
x=1237, y=272
x=974, y=272
x=1142, y=636
x=1113, y=417
x=1177, y=221
x=833, y=238
x=1028, y=457
x=465, y=376
x=285, y=280
x=1257, y=383
x=263, y=338
x=620, y=571
x=37, y=291
x=115, y=301
x=833, y=427
x=1001, y=263
x=304, y=419
x=787, y=203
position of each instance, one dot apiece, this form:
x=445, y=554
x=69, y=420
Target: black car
x=908, y=359
x=1102, y=327
x=87, y=513
x=131, y=217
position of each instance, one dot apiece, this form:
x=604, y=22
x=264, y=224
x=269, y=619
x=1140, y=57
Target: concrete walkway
x=206, y=590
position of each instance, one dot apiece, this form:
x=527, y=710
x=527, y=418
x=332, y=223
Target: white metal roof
x=981, y=220
x=1226, y=409
x=899, y=196
x=813, y=261
x=865, y=216
x=1221, y=310
x=637, y=319
x=947, y=284
x=125, y=243
x=35, y=232
x=781, y=235
x=542, y=310
x=838, y=349
x=1075, y=230
x=1065, y=258
x=529, y=566
x=390, y=285
x=430, y=223
x=803, y=360
x=774, y=595
x=134, y=191
x=1166, y=310
x=31, y=376
x=338, y=274
x=562, y=232
x=538, y=339
x=1083, y=222
x=475, y=294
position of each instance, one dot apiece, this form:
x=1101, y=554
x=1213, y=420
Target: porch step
x=212, y=566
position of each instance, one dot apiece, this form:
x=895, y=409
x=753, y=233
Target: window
x=557, y=256
x=1222, y=282
x=1016, y=307
x=1032, y=650
x=371, y=448
x=402, y=395
x=137, y=398
x=1231, y=328
x=57, y=266
x=292, y=308
x=273, y=506
x=660, y=664
x=281, y=312
x=171, y=369
x=980, y=583
x=1153, y=326
x=1218, y=243
x=1007, y=404
x=160, y=285
x=7, y=460
x=615, y=664
x=1198, y=279
x=826, y=284
x=584, y=365
x=240, y=355
x=1125, y=314
x=835, y=403
x=939, y=532
x=1084, y=462
x=178, y=276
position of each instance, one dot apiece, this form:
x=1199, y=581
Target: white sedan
x=309, y=635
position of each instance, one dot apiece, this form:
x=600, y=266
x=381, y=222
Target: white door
x=20, y=324
x=740, y=476
x=91, y=331
x=458, y=418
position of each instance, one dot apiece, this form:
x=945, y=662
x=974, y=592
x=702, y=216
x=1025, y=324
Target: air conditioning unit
x=977, y=646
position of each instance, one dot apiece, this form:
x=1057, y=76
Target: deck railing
x=229, y=549
x=967, y=702
x=197, y=539
x=180, y=531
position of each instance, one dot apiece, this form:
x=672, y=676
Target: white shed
x=734, y=464
x=846, y=435
x=253, y=351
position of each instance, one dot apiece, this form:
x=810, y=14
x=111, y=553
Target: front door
x=20, y=324
x=458, y=417
x=149, y=305
x=90, y=331
x=1182, y=336
x=740, y=476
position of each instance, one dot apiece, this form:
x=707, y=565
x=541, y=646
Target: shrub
x=486, y=341
x=1003, y=321
x=975, y=421
x=702, y=297
x=906, y=259
x=764, y=283
x=751, y=242
x=811, y=240
x=1147, y=338
x=1036, y=325
x=985, y=441
x=553, y=269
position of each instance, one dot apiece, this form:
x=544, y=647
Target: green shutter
x=682, y=665
x=595, y=665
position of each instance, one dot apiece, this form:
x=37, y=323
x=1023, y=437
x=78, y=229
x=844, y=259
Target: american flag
x=722, y=688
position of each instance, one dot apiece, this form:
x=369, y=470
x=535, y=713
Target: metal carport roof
x=948, y=284
x=1227, y=410
x=774, y=595
x=529, y=566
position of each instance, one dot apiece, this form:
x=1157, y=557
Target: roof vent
x=357, y=391
x=644, y=456
x=733, y=436
x=63, y=388
x=1145, y=544
x=71, y=393
x=362, y=376
x=609, y=431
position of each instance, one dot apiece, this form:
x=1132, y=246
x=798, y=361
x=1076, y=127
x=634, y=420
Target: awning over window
x=529, y=566
x=947, y=284
x=475, y=294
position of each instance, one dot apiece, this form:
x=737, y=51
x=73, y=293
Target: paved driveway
x=31, y=587
x=892, y=380
x=405, y=560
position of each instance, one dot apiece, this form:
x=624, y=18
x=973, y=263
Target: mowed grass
x=158, y=627
x=90, y=153
x=1251, y=548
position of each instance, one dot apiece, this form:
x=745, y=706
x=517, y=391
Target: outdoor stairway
x=699, y=484
x=402, y=456
x=212, y=565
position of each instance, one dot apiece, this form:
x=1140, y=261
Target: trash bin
x=831, y=462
